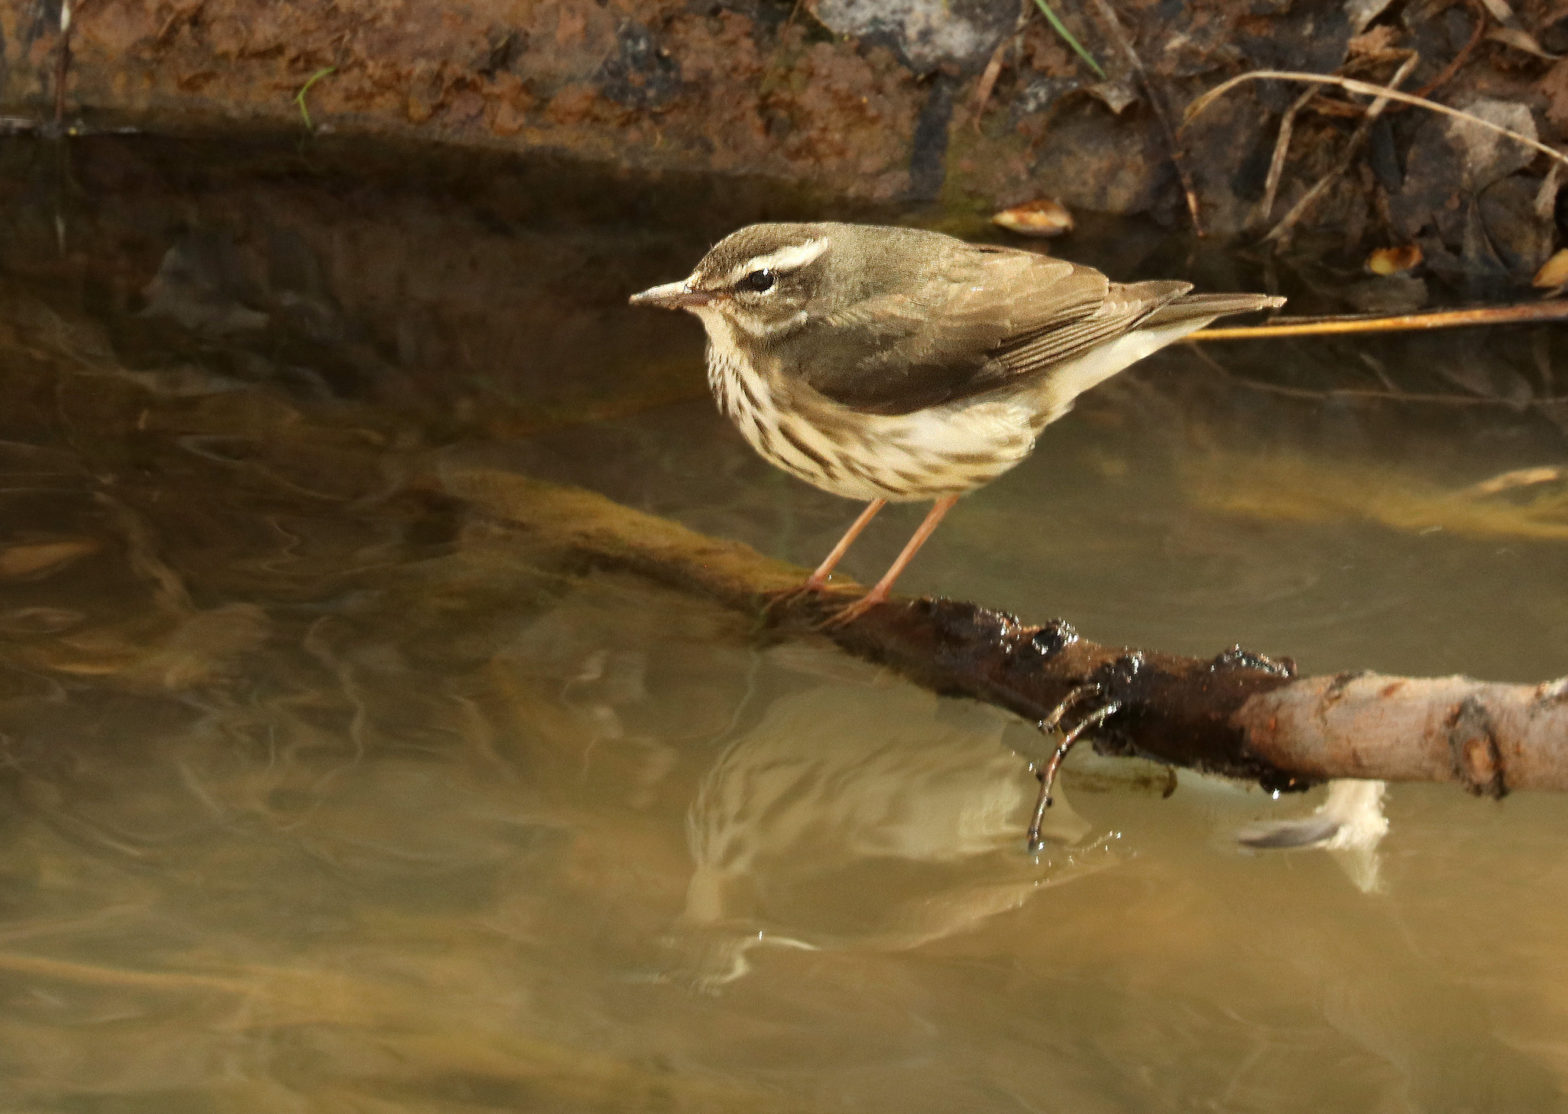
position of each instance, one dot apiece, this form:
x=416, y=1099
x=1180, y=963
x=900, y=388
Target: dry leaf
x=1041, y=217
x=1115, y=95
x=1554, y=272
x=1489, y=156
x=1391, y=261
x=1522, y=40
x=1375, y=43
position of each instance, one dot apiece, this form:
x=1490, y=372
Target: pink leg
x=879, y=591
x=819, y=579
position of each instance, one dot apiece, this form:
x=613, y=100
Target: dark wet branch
x=1237, y=713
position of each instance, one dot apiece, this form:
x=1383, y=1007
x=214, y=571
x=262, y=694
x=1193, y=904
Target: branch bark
x=1238, y=713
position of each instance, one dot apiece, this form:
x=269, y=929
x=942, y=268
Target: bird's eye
x=758, y=282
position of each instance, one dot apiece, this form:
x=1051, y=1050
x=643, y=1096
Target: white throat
x=740, y=389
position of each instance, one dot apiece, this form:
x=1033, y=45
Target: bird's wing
x=979, y=320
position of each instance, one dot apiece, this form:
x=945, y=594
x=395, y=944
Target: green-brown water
x=321, y=791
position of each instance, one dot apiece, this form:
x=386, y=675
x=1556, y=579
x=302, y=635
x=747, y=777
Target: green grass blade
x=299, y=98
x=1067, y=37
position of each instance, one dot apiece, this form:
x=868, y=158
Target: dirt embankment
x=960, y=100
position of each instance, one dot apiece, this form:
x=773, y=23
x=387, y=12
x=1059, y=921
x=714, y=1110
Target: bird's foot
x=784, y=597
x=1099, y=704
x=848, y=613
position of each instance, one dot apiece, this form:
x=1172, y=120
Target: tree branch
x=1238, y=714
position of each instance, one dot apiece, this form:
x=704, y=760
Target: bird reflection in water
x=848, y=819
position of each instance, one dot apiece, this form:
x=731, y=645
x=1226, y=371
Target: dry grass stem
x=1287, y=126
x=1369, y=89
x=1281, y=231
x=993, y=70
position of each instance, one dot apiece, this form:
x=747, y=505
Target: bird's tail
x=1176, y=314
x=1205, y=308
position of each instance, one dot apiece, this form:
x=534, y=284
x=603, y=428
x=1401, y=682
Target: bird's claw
x=784, y=597
x=848, y=613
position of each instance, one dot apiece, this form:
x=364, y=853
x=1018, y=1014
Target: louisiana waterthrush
x=896, y=364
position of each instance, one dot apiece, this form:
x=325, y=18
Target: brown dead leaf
x=1391, y=261
x=1489, y=155
x=1554, y=87
x=1554, y=272
x=1374, y=43
x=1040, y=217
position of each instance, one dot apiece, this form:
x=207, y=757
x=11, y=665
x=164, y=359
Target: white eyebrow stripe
x=785, y=259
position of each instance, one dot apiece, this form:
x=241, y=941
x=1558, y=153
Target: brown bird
x=895, y=364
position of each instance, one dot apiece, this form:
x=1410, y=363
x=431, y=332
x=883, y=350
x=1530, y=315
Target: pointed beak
x=672, y=295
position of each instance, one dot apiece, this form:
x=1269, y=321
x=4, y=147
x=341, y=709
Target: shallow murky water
x=322, y=790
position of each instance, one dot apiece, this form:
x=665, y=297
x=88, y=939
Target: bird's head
x=764, y=280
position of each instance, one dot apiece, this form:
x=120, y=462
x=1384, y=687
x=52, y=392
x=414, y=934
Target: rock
x=927, y=34
x=641, y=74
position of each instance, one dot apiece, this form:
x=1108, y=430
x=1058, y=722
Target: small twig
x=1528, y=313
x=1334, y=107
x=1287, y=125
x=1366, y=394
x=1458, y=60
x=993, y=70
x=1282, y=230
x=765, y=82
x=1366, y=88
x=1068, y=703
x=1157, y=103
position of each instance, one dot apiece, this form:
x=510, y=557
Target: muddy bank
x=974, y=103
